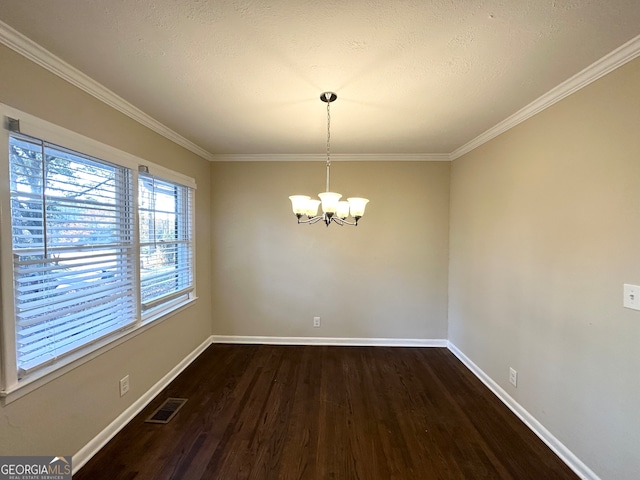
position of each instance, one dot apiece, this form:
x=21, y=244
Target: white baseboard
x=99, y=441
x=351, y=342
x=573, y=462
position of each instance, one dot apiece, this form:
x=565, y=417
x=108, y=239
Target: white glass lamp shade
x=343, y=209
x=329, y=201
x=299, y=204
x=357, y=206
x=312, y=207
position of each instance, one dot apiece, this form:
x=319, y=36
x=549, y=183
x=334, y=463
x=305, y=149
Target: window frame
x=155, y=307
x=12, y=388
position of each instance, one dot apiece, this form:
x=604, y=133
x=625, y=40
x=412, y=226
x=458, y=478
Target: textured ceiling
x=244, y=77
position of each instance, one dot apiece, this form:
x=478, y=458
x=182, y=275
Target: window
x=99, y=248
x=166, y=269
x=72, y=250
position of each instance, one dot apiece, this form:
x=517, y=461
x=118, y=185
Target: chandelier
x=333, y=209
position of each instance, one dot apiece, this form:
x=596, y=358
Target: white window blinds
x=72, y=232
x=166, y=248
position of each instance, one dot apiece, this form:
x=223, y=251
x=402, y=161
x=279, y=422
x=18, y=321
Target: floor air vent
x=167, y=410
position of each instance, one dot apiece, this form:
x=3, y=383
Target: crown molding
x=593, y=72
x=39, y=55
x=341, y=157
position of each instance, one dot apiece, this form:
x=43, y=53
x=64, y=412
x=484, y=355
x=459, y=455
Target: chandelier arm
x=337, y=220
x=342, y=221
x=310, y=220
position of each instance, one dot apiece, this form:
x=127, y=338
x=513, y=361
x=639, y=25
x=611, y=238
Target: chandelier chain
x=329, y=133
x=328, y=143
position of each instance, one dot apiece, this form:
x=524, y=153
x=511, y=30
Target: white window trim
x=10, y=387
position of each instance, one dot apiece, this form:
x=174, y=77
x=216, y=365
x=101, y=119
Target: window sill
x=48, y=374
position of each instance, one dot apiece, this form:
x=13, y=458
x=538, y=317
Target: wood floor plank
x=299, y=454
x=316, y=412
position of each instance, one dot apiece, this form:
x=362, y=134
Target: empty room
x=320, y=240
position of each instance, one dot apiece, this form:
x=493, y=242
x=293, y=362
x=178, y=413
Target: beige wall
x=545, y=229
x=62, y=416
x=386, y=278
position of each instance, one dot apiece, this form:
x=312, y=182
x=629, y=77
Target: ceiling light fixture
x=333, y=209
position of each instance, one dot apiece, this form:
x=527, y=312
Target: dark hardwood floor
x=288, y=412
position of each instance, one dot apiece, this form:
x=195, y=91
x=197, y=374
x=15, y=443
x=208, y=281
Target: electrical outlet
x=631, y=296
x=124, y=385
x=513, y=377
x=316, y=322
